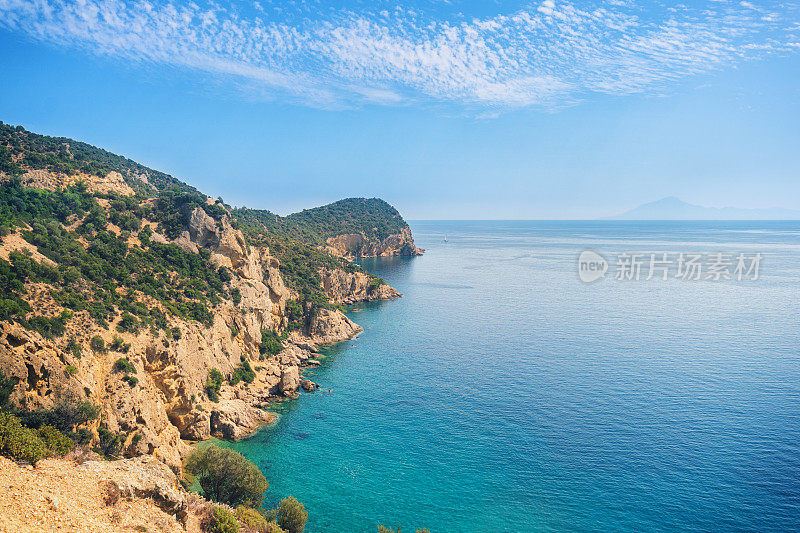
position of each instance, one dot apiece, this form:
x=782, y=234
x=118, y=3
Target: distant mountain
x=672, y=208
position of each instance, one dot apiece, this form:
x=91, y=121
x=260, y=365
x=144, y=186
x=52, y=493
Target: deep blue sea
x=501, y=393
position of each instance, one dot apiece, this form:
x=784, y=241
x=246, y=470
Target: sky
x=448, y=109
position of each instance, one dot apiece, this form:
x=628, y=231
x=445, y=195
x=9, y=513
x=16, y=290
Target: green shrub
x=128, y=323
x=213, y=384
x=226, y=476
x=108, y=442
x=64, y=417
x=244, y=372
x=124, y=365
x=55, y=441
x=71, y=370
x=254, y=520
x=176, y=333
x=98, y=344
x=271, y=342
x=236, y=296
x=19, y=442
x=74, y=348
x=119, y=345
x=130, y=380
x=292, y=515
x=222, y=521
x=7, y=385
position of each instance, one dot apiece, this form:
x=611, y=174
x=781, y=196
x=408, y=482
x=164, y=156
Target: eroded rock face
x=290, y=379
x=235, y=419
x=328, y=327
x=141, y=477
x=358, y=245
x=44, y=179
x=351, y=287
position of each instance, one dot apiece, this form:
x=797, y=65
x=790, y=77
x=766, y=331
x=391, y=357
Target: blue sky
x=447, y=109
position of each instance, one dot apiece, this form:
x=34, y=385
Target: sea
x=504, y=393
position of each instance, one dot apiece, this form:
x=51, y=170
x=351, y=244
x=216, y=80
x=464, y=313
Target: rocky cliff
x=354, y=245
x=350, y=287
x=161, y=400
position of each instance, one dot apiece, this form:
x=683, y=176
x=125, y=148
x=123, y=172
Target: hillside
x=353, y=227
x=138, y=314
x=22, y=151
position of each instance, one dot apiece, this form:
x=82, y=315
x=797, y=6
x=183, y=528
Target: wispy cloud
x=549, y=54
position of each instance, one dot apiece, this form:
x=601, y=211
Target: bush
x=19, y=442
x=130, y=380
x=254, y=520
x=64, y=417
x=221, y=520
x=213, y=384
x=109, y=443
x=71, y=370
x=226, y=476
x=74, y=348
x=292, y=515
x=55, y=441
x=118, y=345
x=236, y=296
x=6, y=388
x=271, y=342
x=124, y=365
x=98, y=344
x=244, y=372
x=128, y=323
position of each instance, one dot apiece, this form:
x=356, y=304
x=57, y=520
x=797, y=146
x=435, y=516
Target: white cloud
x=548, y=55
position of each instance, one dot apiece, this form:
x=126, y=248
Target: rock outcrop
x=351, y=287
x=358, y=245
x=44, y=179
x=139, y=494
x=290, y=380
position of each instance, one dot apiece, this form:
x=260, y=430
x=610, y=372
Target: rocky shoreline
x=166, y=405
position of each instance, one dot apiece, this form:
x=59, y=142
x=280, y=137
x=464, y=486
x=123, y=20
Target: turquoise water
x=503, y=394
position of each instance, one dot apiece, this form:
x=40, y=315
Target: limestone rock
x=290, y=379
x=308, y=385
x=142, y=477
x=351, y=287
x=235, y=419
x=330, y=326
x=202, y=228
x=358, y=245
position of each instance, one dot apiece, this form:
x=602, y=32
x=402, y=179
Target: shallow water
x=503, y=394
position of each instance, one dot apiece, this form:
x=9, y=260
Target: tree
x=227, y=477
x=292, y=515
x=7, y=385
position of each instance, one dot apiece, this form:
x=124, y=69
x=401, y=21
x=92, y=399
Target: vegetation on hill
x=106, y=274
x=97, y=270
x=373, y=217
x=22, y=150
